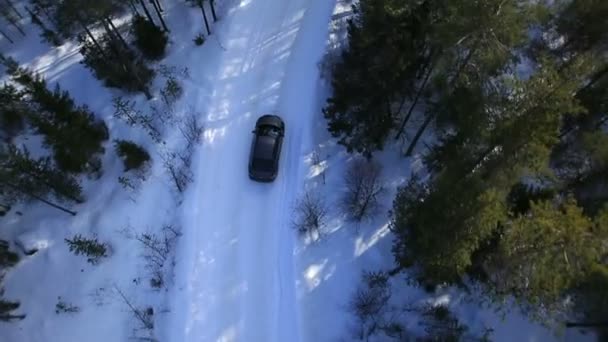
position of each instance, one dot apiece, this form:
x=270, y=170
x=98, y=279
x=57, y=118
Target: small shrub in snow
x=199, y=39
x=91, y=248
x=157, y=249
x=63, y=307
x=167, y=71
x=177, y=164
x=149, y=38
x=133, y=155
x=363, y=186
x=172, y=91
x=126, y=183
x=310, y=215
x=191, y=129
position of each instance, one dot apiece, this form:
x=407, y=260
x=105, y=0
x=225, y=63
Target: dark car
x=266, y=148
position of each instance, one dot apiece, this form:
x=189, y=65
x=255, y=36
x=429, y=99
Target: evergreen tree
x=149, y=39
x=13, y=112
x=374, y=77
x=133, y=155
x=547, y=252
x=89, y=247
x=35, y=176
x=71, y=131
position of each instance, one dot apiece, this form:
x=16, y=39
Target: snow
x=235, y=260
x=241, y=272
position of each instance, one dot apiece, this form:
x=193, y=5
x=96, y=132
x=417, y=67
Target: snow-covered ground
x=241, y=272
x=235, y=260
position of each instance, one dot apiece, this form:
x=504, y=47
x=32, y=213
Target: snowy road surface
x=235, y=278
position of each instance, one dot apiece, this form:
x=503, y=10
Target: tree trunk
x=95, y=42
x=415, y=102
x=143, y=5
x=160, y=7
x=127, y=63
x=10, y=3
x=213, y=10
x=202, y=6
x=160, y=15
x=133, y=8
x=6, y=36
x=56, y=206
x=421, y=130
x=117, y=33
x=594, y=79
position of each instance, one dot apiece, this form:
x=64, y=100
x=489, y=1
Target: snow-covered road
x=235, y=274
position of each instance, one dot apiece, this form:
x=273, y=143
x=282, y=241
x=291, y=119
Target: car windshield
x=269, y=131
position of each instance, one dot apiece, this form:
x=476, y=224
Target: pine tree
x=474, y=174
x=149, y=39
x=37, y=176
x=374, y=77
x=89, y=247
x=547, y=252
x=71, y=131
x=13, y=112
x=133, y=155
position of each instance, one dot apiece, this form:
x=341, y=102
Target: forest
x=123, y=56
x=513, y=95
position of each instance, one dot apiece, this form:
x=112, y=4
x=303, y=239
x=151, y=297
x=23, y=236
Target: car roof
x=264, y=147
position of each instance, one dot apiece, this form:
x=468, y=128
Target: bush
x=149, y=38
x=133, y=155
x=63, y=307
x=172, y=91
x=199, y=39
x=92, y=248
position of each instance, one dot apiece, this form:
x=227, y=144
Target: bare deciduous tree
x=157, y=249
x=125, y=110
x=144, y=315
x=178, y=165
x=191, y=128
x=363, y=185
x=310, y=215
x=371, y=306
